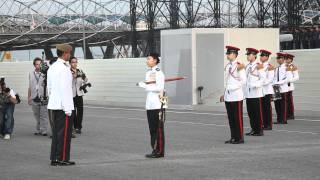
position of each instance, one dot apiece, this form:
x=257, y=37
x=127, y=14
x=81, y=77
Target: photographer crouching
x=8, y=99
x=37, y=97
x=79, y=85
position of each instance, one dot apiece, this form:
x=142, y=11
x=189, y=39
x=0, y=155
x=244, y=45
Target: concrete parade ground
x=115, y=139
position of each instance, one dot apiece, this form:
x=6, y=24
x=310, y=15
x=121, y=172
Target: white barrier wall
x=113, y=80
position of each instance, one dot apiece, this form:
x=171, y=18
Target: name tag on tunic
x=152, y=77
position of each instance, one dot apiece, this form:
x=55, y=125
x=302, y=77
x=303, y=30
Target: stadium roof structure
x=21, y=19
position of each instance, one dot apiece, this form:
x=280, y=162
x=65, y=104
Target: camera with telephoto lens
x=83, y=76
x=44, y=67
x=4, y=88
x=84, y=87
x=7, y=90
x=1, y=80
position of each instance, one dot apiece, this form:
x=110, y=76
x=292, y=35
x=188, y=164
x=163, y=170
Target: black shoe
x=241, y=141
x=36, y=134
x=69, y=163
x=158, y=155
x=257, y=134
x=267, y=128
x=250, y=133
x=150, y=155
x=66, y=163
x=73, y=135
x=44, y=134
x=54, y=163
x=154, y=154
x=229, y=141
x=78, y=131
x=290, y=118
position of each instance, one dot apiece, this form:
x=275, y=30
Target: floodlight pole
x=83, y=32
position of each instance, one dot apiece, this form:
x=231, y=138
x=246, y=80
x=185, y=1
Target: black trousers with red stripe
x=61, y=136
x=267, y=111
x=156, y=128
x=235, y=116
x=281, y=108
x=290, y=105
x=254, y=109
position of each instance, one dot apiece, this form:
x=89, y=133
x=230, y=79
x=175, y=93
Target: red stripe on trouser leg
x=292, y=106
x=65, y=139
x=285, y=108
x=240, y=120
x=270, y=112
x=261, y=118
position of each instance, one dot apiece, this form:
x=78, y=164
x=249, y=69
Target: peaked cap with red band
x=290, y=56
x=280, y=54
x=232, y=49
x=265, y=52
x=252, y=51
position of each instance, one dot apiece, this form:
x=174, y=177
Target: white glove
x=68, y=113
x=142, y=84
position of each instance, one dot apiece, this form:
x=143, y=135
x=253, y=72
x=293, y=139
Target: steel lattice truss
x=39, y=23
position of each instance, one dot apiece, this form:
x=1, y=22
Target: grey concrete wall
x=176, y=52
x=206, y=47
x=209, y=60
x=307, y=93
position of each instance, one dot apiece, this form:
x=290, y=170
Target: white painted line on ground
x=300, y=132
x=208, y=124
x=221, y=125
x=186, y=112
x=312, y=120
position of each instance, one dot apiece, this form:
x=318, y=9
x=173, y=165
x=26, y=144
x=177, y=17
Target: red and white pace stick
x=166, y=80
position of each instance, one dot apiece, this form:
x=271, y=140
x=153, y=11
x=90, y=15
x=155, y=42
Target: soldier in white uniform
x=254, y=92
x=280, y=81
x=61, y=105
x=267, y=89
x=294, y=74
x=235, y=79
x=154, y=106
